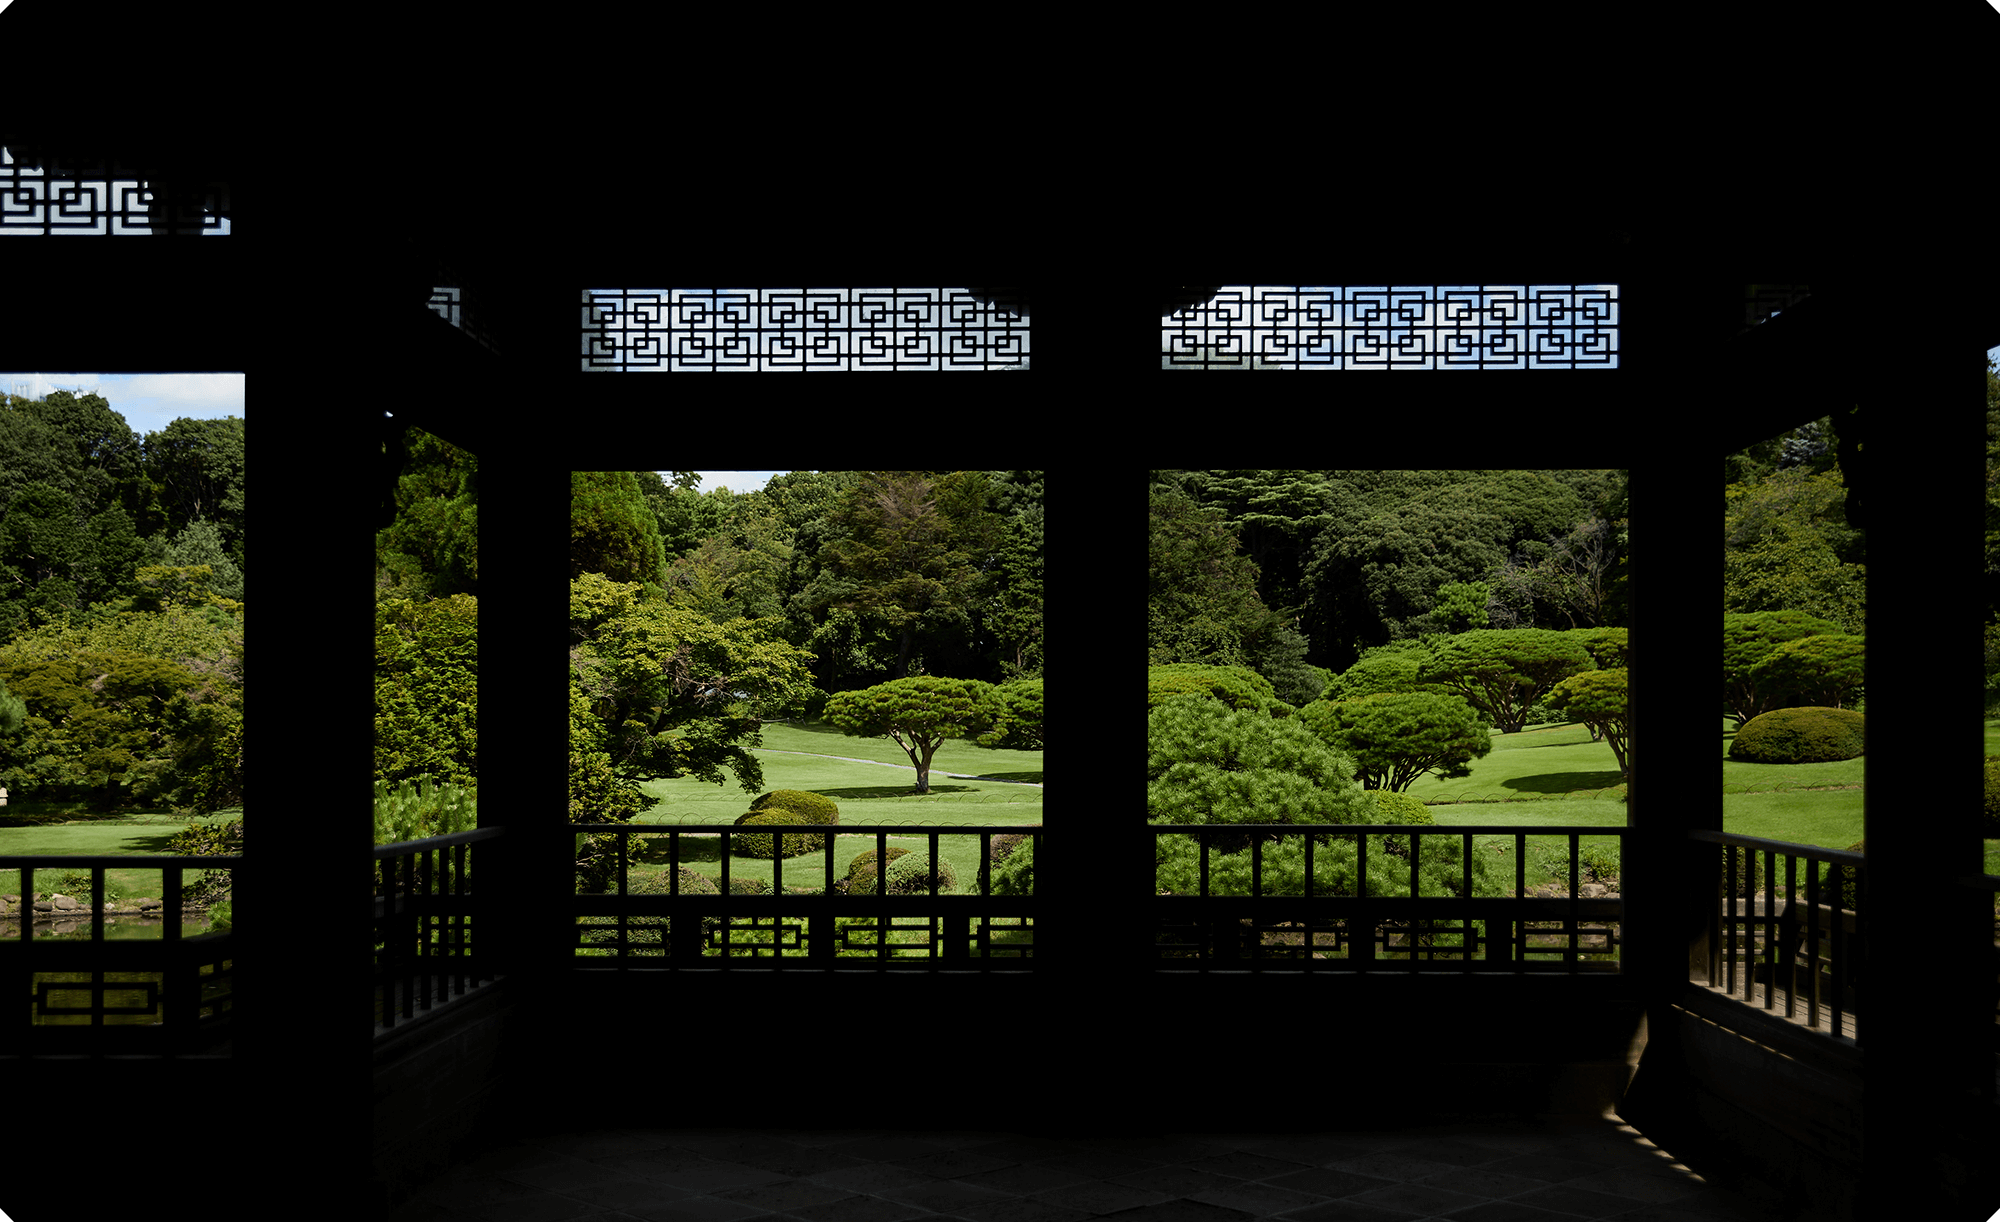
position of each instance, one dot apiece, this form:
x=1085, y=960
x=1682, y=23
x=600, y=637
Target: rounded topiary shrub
x=911, y=875
x=1394, y=807
x=816, y=807
x=761, y=846
x=1810, y=734
x=860, y=878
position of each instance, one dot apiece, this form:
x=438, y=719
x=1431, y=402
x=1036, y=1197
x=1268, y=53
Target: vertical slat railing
x=1509, y=920
x=175, y=957
x=1756, y=943
x=423, y=920
x=958, y=925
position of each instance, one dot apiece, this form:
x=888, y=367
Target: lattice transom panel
x=46, y=194
x=799, y=329
x=1255, y=327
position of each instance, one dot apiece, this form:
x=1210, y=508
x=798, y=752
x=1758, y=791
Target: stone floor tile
x=1403, y=1166
x=1258, y=1198
x=1551, y=1168
x=1327, y=1182
x=1419, y=1199
x=1508, y=1211
x=1183, y=1210
x=1468, y=1172
x=1350, y=1211
x=1484, y=1182
x=1245, y=1165
x=1101, y=1197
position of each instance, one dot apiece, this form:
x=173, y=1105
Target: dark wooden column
x=300, y=1041
x=1928, y=1019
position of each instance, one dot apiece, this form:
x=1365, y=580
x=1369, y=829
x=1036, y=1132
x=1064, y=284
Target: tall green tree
x=1505, y=672
x=1787, y=546
x=918, y=714
x=196, y=466
x=1598, y=699
x=658, y=680
x=1202, y=603
x=1747, y=639
x=431, y=548
x=1826, y=669
x=911, y=556
x=611, y=529
x=1396, y=737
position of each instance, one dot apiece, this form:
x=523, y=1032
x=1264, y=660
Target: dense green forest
x=1295, y=574
x=121, y=608
x=1320, y=641
x=695, y=617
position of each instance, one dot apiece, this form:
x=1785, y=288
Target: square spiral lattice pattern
x=1400, y=327
x=798, y=329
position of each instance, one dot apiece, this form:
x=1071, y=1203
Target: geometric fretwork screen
x=1563, y=326
x=799, y=329
x=65, y=197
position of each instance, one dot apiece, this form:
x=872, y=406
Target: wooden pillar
x=1928, y=1017
x=302, y=912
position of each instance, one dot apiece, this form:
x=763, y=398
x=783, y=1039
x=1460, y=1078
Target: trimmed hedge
x=1808, y=734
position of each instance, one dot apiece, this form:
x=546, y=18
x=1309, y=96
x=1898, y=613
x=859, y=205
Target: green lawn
x=28, y=828
x=875, y=791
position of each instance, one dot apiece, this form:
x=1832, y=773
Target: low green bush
x=860, y=879
x=816, y=807
x=910, y=874
x=1808, y=734
x=1013, y=868
x=762, y=846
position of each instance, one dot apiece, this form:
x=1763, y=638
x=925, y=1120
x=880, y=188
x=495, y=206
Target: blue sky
x=148, y=401
x=735, y=481
x=931, y=319
x=104, y=199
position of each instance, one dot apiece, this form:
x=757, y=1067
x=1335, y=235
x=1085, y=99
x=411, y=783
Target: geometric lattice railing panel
x=798, y=329
x=1570, y=326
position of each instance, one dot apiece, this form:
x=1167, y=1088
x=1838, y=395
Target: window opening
x=48, y=195
x=804, y=329
x=1257, y=327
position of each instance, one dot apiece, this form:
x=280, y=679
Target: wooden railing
x=662, y=925
x=1369, y=931
x=134, y=996
x=1792, y=931
x=423, y=909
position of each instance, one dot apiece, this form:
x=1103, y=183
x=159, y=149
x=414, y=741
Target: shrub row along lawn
x=871, y=781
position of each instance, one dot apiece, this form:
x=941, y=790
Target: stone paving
x=1514, y=1171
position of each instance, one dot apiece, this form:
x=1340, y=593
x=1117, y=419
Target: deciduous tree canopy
x=121, y=606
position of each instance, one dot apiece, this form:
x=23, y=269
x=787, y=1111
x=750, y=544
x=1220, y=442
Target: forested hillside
x=121, y=608
x=1295, y=574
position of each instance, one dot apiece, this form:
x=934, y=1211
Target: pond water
x=116, y=928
